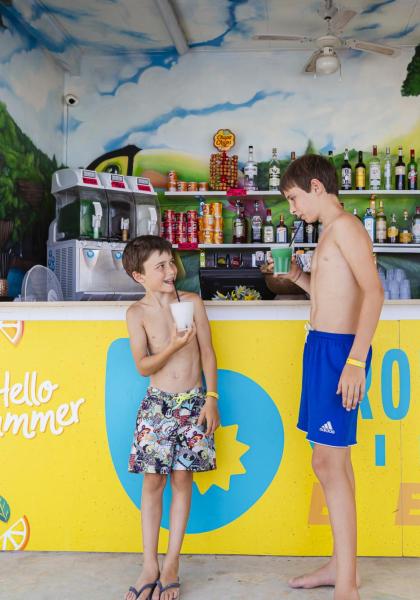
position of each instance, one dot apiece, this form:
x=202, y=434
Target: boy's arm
x=356, y=246
x=210, y=412
x=295, y=275
x=146, y=364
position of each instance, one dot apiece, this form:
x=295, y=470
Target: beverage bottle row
x=263, y=231
x=382, y=230
x=379, y=174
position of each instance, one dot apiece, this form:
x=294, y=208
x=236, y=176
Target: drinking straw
x=176, y=292
x=295, y=234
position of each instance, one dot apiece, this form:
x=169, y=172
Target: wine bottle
x=360, y=173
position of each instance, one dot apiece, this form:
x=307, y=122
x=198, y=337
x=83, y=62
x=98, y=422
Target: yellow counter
x=69, y=393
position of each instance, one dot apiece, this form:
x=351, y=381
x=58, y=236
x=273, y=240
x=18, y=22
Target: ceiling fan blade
x=341, y=19
x=281, y=38
x=372, y=47
x=310, y=65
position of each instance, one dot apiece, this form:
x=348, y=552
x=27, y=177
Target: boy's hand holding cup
x=282, y=264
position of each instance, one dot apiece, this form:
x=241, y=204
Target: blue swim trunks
x=322, y=415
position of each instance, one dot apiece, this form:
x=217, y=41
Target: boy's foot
x=169, y=575
x=148, y=575
x=324, y=576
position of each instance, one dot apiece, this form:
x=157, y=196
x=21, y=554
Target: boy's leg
x=326, y=575
x=181, y=484
x=330, y=467
x=151, y=516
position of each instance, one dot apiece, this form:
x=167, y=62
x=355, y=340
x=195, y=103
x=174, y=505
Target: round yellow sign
x=224, y=140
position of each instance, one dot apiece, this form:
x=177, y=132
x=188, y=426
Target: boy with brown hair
x=170, y=437
x=346, y=301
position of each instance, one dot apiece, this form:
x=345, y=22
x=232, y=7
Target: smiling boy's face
x=159, y=273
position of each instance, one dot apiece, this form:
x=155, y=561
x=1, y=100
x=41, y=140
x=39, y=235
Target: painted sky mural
x=135, y=89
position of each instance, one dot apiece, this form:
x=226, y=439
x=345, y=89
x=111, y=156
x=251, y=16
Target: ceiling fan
x=325, y=61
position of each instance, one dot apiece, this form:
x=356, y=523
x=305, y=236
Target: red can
x=192, y=238
x=192, y=215
x=181, y=238
x=169, y=215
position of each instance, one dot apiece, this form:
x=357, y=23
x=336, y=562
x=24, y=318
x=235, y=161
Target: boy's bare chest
x=328, y=261
x=158, y=326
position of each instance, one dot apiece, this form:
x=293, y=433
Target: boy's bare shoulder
x=189, y=296
x=348, y=224
x=135, y=311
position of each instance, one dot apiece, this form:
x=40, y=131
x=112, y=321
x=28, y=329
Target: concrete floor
x=83, y=576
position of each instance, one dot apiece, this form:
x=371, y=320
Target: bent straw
x=176, y=292
x=295, y=234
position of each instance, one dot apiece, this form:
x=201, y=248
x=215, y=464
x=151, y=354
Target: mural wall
x=31, y=143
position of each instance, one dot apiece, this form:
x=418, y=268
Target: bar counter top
x=258, y=310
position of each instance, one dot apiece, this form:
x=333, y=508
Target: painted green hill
x=22, y=161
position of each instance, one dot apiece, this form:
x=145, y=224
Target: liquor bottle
x=292, y=156
x=393, y=230
x=281, y=231
x=331, y=158
x=400, y=171
x=380, y=225
x=346, y=172
x=268, y=229
x=250, y=171
x=310, y=233
x=387, y=169
x=416, y=226
x=299, y=226
x=412, y=171
x=360, y=183
x=356, y=214
x=372, y=205
x=256, y=224
x=239, y=236
x=375, y=171
x=274, y=173
x=369, y=223
x=405, y=236
x=320, y=229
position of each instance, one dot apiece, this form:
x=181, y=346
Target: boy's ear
x=139, y=277
x=317, y=186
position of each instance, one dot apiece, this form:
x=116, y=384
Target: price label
x=236, y=192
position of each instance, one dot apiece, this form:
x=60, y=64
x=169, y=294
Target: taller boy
x=346, y=301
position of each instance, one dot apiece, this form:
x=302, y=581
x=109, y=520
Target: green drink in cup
x=282, y=258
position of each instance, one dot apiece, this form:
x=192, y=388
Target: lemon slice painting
x=13, y=330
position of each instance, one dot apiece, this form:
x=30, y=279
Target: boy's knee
x=322, y=466
x=154, y=482
x=181, y=479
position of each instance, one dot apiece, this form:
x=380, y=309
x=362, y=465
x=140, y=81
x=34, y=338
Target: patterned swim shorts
x=167, y=437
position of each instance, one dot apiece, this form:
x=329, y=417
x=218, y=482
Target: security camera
x=71, y=100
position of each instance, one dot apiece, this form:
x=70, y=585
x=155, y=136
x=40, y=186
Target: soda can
x=208, y=222
x=181, y=237
x=192, y=226
x=206, y=209
x=218, y=223
x=172, y=187
x=192, y=186
x=218, y=237
x=217, y=209
x=192, y=215
x=200, y=236
x=169, y=215
x=180, y=216
x=172, y=177
x=208, y=236
x=192, y=237
x=182, y=186
x=203, y=186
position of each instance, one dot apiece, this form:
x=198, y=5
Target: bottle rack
x=377, y=248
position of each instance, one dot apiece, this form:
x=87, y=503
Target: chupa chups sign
x=224, y=140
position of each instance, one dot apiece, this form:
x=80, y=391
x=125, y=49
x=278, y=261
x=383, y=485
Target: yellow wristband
x=356, y=363
x=213, y=395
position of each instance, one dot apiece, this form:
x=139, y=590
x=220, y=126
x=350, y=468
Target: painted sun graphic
x=229, y=452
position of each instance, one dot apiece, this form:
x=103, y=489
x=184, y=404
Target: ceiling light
x=327, y=63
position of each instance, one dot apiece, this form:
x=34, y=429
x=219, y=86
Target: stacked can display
x=211, y=224
x=180, y=227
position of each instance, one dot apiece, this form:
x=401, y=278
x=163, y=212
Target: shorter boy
x=170, y=437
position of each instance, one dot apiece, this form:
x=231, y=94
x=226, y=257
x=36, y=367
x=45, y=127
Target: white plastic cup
x=183, y=314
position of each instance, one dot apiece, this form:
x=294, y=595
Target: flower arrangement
x=241, y=292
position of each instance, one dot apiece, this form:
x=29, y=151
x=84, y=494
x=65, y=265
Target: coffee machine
x=96, y=214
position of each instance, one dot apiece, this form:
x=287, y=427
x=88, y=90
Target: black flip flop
x=148, y=586
x=170, y=586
